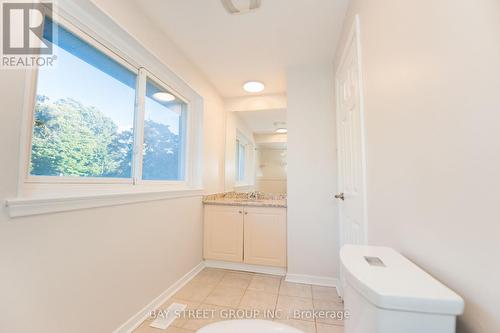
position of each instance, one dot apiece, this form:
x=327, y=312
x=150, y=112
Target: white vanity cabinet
x=245, y=234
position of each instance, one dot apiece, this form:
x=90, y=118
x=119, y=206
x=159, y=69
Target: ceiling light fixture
x=240, y=6
x=253, y=86
x=281, y=130
x=163, y=96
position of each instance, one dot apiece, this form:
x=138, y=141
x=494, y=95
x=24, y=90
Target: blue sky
x=76, y=79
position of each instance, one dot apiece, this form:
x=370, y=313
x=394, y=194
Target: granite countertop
x=246, y=199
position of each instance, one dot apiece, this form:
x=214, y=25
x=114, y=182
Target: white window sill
x=28, y=206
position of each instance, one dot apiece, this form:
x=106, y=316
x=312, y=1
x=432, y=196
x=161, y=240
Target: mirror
x=256, y=151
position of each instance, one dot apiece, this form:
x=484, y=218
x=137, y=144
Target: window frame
x=31, y=101
x=32, y=185
x=140, y=114
x=241, y=139
x=239, y=146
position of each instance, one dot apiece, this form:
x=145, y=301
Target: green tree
x=70, y=139
x=161, y=152
x=120, y=150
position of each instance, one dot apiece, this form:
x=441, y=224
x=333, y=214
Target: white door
x=265, y=236
x=223, y=233
x=350, y=150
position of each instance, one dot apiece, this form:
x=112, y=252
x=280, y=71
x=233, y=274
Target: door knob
x=340, y=196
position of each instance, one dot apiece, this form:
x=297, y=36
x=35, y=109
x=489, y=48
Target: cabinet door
x=265, y=236
x=223, y=233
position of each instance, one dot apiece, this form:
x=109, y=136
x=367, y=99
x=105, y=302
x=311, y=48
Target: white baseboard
x=235, y=266
x=136, y=320
x=314, y=280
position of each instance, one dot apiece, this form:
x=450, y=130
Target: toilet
x=386, y=293
x=248, y=326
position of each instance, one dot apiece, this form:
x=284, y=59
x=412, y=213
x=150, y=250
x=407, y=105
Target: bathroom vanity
x=245, y=230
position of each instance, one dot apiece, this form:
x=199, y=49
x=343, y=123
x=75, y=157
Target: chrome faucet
x=253, y=195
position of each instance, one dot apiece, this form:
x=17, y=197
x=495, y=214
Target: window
x=164, y=134
x=84, y=113
x=240, y=161
x=91, y=122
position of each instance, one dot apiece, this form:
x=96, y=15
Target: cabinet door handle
x=246, y=213
x=240, y=212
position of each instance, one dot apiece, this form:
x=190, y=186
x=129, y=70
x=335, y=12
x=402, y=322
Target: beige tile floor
x=217, y=294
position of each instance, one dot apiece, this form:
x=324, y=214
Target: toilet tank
x=386, y=293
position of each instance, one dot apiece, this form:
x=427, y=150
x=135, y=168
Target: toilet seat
x=248, y=326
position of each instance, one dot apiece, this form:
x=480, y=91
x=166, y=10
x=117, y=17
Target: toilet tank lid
x=390, y=281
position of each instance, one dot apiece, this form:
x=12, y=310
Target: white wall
x=270, y=169
x=90, y=270
x=312, y=216
x=255, y=103
x=267, y=139
x=432, y=79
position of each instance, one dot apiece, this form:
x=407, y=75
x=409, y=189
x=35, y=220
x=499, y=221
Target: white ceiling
x=231, y=49
x=263, y=121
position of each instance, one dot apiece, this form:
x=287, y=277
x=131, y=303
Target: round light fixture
x=281, y=130
x=253, y=86
x=164, y=96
